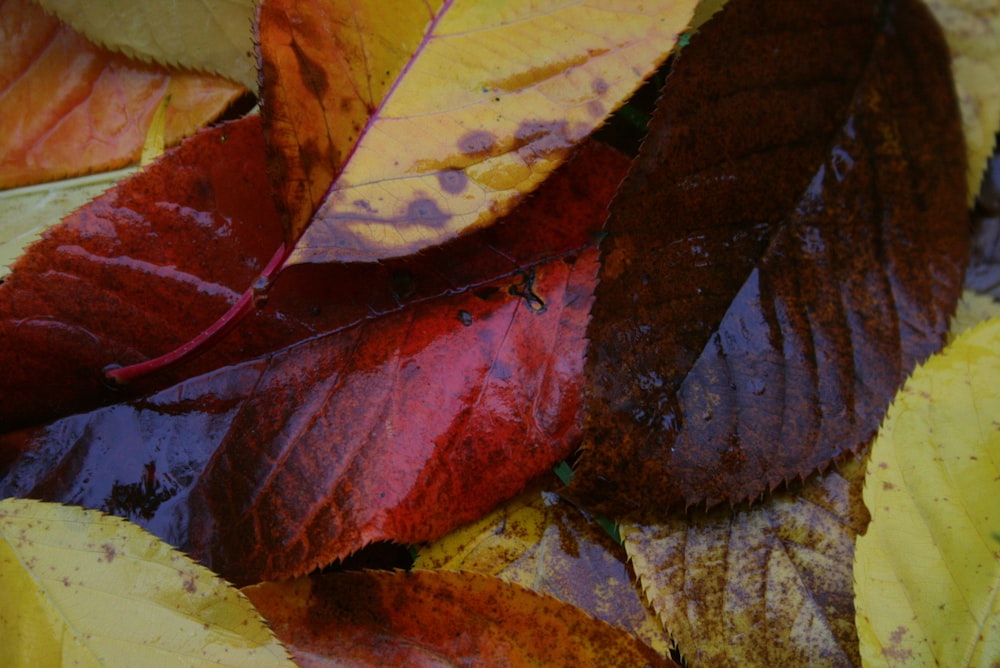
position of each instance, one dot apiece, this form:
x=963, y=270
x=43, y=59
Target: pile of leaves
x=617, y=396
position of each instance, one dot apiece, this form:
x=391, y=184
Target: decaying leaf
x=972, y=28
x=69, y=107
x=441, y=619
x=790, y=241
x=82, y=588
x=770, y=585
x=442, y=119
x=545, y=544
x=208, y=36
x=927, y=571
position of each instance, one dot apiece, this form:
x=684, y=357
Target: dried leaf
x=927, y=572
x=442, y=119
x=545, y=544
x=70, y=108
x=438, y=618
x=82, y=588
x=766, y=586
x=972, y=28
x=209, y=36
x=789, y=243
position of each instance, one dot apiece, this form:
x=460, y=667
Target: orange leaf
x=441, y=119
x=69, y=107
x=437, y=618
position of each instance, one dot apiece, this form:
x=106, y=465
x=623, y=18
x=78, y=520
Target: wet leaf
x=444, y=381
x=209, y=36
x=790, y=241
x=70, y=108
x=769, y=585
x=927, y=572
x=82, y=588
x=972, y=29
x=442, y=119
x=437, y=618
x=545, y=544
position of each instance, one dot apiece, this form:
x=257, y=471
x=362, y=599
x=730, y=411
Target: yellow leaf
x=769, y=586
x=547, y=545
x=206, y=35
x=973, y=308
x=972, y=28
x=491, y=101
x=83, y=588
x=927, y=572
x=26, y=212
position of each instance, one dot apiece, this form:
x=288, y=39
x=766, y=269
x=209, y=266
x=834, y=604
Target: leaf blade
x=469, y=124
x=110, y=593
x=927, y=572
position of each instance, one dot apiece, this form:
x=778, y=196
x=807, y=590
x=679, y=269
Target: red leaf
x=790, y=242
x=399, y=423
x=433, y=618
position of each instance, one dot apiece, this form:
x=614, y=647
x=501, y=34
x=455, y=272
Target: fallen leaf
x=545, y=544
x=927, y=572
x=972, y=29
x=214, y=36
x=405, y=133
x=70, y=107
x=28, y=211
x=462, y=359
x=973, y=309
x=790, y=241
x=437, y=618
x=769, y=585
x=82, y=588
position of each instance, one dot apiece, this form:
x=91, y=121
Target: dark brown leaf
x=789, y=243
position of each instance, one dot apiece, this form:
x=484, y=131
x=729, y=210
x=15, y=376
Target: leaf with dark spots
x=391, y=400
x=104, y=287
x=422, y=618
x=452, y=112
x=788, y=245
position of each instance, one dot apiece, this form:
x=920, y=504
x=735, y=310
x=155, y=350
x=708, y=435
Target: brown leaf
x=436, y=618
x=546, y=544
x=789, y=243
x=769, y=586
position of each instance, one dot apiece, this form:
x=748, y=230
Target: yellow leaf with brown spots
x=972, y=29
x=546, y=544
x=83, y=588
x=927, y=571
x=769, y=586
x=405, y=133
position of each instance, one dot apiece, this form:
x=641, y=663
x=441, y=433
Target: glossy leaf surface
x=82, y=588
x=927, y=571
x=444, y=381
x=766, y=586
x=790, y=241
x=69, y=107
x=204, y=35
x=545, y=544
x=442, y=119
x=424, y=618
